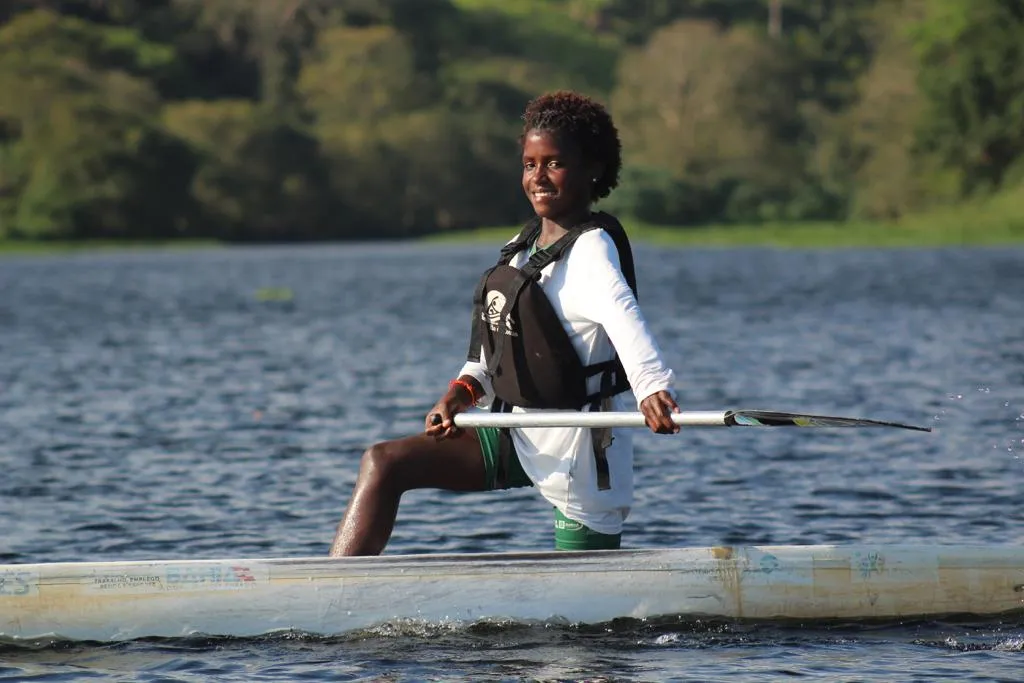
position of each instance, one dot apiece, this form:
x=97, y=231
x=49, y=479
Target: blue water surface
x=210, y=404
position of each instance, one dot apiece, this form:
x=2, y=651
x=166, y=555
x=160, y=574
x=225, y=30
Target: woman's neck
x=551, y=230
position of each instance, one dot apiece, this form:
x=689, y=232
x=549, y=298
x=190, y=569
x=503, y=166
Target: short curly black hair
x=586, y=123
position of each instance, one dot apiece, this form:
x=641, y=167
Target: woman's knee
x=385, y=464
x=379, y=459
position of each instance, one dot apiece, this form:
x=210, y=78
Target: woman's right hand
x=440, y=419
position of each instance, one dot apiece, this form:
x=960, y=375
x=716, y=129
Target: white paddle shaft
x=571, y=418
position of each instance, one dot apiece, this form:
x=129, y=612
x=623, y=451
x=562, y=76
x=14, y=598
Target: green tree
x=78, y=127
x=358, y=75
x=637, y=22
x=972, y=75
x=864, y=150
x=256, y=178
x=830, y=41
x=274, y=33
x=716, y=109
x=879, y=130
x=403, y=163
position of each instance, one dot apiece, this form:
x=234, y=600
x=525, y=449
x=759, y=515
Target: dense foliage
x=355, y=119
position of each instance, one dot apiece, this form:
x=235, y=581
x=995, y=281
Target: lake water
x=157, y=405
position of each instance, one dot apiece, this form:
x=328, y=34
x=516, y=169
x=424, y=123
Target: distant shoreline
x=53, y=247
x=922, y=231
x=791, y=235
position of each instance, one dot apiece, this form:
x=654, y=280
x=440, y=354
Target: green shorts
x=504, y=471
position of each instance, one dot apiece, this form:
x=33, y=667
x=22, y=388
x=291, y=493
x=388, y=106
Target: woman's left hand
x=657, y=409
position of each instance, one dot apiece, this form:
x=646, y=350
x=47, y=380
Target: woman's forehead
x=540, y=141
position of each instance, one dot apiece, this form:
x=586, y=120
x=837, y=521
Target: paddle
x=701, y=418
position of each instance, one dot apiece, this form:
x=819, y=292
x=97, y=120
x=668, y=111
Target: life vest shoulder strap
x=598, y=221
x=614, y=228
x=526, y=236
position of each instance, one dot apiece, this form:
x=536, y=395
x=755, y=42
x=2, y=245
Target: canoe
x=112, y=601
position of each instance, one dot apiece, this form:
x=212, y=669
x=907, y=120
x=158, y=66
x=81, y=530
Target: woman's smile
x=555, y=179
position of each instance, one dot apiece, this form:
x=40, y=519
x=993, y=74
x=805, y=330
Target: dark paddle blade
x=768, y=418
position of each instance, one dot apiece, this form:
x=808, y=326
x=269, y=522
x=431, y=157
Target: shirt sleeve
x=478, y=371
x=610, y=302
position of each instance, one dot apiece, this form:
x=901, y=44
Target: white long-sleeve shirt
x=597, y=308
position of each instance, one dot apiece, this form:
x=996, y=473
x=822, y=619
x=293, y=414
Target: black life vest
x=530, y=358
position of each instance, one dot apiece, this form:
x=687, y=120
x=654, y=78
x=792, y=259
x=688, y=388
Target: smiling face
x=556, y=178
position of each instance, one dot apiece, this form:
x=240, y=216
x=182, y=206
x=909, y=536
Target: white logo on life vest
x=492, y=314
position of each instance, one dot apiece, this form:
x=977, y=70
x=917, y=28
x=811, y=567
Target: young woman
x=570, y=159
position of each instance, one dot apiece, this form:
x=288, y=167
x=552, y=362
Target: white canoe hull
x=246, y=597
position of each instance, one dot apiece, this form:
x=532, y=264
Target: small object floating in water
x=274, y=294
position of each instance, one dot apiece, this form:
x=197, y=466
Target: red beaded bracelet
x=468, y=387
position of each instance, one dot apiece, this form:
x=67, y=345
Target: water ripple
x=153, y=406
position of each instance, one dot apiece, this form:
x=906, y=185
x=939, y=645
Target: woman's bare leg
x=391, y=468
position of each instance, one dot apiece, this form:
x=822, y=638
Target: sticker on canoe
x=179, y=577
x=18, y=583
x=121, y=582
